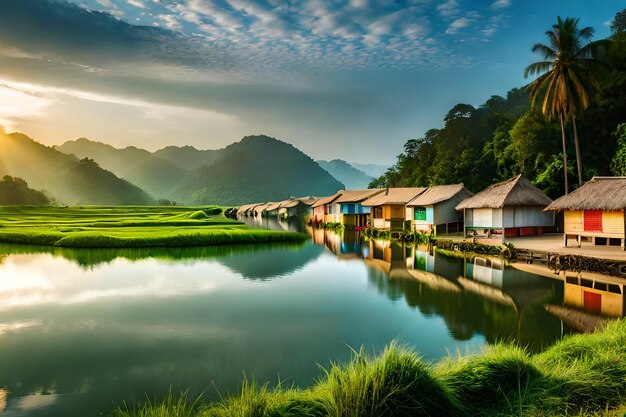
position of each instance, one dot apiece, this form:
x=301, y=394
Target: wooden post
x=564, y=239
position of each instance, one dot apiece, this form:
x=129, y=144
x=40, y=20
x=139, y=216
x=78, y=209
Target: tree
x=568, y=78
x=618, y=25
x=618, y=164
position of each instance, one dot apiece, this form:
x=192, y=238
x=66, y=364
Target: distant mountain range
x=66, y=178
x=371, y=170
x=255, y=169
x=258, y=168
x=351, y=177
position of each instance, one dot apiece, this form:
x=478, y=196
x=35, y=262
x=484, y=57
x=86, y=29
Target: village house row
x=594, y=212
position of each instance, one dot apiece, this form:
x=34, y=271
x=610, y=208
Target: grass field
x=129, y=226
x=580, y=375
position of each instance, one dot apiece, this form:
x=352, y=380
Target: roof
x=516, y=191
x=437, y=194
x=394, y=196
x=273, y=206
x=293, y=202
x=600, y=193
x=357, y=196
x=326, y=200
x=261, y=207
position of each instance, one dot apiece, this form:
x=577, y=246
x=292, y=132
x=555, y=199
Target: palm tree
x=568, y=78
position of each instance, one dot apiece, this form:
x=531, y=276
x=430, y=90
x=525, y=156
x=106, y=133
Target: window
x=378, y=212
x=420, y=213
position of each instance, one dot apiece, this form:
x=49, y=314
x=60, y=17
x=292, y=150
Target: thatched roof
x=293, y=202
x=437, y=194
x=601, y=193
x=394, y=196
x=516, y=191
x=261, y=207
x=245, y=208
x=273, y=206
x=326, y=200
x=356, y=196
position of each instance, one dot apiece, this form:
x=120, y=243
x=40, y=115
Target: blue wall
x=354, y=209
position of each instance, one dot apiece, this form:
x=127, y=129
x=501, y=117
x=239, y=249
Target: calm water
x=84, y=330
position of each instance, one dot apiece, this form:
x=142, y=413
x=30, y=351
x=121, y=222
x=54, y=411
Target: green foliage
x=125, y=227
x=618, y=164
x=578, y=375
x=15, y=191
x=503, y=137
x=336, y=226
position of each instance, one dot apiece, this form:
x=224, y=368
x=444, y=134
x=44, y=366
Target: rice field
x=129, y=226
x=578, y=376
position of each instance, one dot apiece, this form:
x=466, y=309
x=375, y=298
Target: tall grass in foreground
x=579, y=375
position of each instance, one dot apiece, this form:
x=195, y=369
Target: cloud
x=449, y=8
x=458, y=24
x=137, y=3
x=64, y=32
x=501, y=4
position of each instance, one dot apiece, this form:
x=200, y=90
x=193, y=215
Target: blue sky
x=350, y=79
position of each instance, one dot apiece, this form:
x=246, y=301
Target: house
x=434, y=209
x=246, y=210
x=297, y=207
x=510, y=208
x=388, y=207
x=272, y=209
x=351, y=211
x=595, y=211
x=322, y=206
x=259, y=210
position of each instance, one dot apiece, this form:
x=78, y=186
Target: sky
x=349, y=79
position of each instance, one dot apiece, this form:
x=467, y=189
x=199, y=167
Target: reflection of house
x=595, y=211
x=513, y=207
x=595, y=295
x=389, y=207
x=434, y=209
x=489, y=271
x=352, y=212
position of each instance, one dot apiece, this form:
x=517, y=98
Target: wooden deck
x=553, y=243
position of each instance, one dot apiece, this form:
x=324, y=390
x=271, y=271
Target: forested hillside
x=506, y=135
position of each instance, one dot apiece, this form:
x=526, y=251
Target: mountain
x=258, y=168
x=155, y=175
x=352, y=178
x=108, y=157
x=187, y=157
x=372, y=170
x=15, y=191
x=68, y=179
x=158, y=172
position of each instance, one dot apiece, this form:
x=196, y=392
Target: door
x=592, y=302
x=593, y=220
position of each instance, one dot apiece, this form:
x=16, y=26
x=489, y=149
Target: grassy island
x=579, y=375
x=129, y=226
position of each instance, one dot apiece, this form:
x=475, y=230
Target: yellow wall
x=613, y=222
x=611, y=304
x=574, y=221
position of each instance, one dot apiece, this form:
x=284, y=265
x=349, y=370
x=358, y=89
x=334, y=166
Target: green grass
x=129, y=226
x=578, y=376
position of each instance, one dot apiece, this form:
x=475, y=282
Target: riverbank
x=130, y=226
x=579, y=375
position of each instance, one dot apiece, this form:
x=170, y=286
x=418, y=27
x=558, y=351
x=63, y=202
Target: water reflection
x=263, y=261
x=83, y=330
